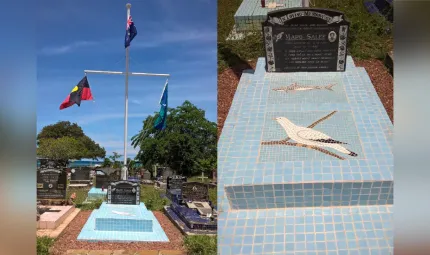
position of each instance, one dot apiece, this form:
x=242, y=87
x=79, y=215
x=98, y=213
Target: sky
x=174, y=37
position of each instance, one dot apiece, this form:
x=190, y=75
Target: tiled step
x=359, y=230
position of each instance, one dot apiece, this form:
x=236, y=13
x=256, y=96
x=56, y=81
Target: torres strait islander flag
x=130, y=33
x=80, y=92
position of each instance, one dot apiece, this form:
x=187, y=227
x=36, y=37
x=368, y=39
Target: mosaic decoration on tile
x=310, y=90
x=303, y=201
x=296, y=136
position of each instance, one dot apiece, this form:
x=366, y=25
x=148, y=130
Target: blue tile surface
x=122, y=223
x=97, y=193
x=266, y=191
x=337, y=230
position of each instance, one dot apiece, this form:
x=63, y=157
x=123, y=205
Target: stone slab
x=54, y=233
x=51, y=220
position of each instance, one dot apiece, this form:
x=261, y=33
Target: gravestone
x=146, y=175
x=51, y=184
x=195, y=191
x=102, y=179
x=115, y=175
x=175, y=181
x=124, y=192
x=305, y=40
x=80, y=174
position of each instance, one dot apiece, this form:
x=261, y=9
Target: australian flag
x=130, y=33
x=160, y=122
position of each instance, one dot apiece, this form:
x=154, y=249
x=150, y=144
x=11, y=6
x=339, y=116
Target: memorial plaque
x=195, y=191
x=102, y=179
x=305, y=40
x=51, y=184
x=124, y=192
x=80, y=174
x=175, y=181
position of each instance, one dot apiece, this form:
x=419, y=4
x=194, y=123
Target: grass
x=368, y=36
x=44, y=244
x=201, y=245
x=152, y=198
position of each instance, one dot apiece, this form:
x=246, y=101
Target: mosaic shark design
x=295, y=87
x=123, y=213
x=309, y=137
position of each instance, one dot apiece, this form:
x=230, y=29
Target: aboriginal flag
x=80, y=92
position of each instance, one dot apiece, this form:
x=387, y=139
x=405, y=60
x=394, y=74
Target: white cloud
x=57, y=50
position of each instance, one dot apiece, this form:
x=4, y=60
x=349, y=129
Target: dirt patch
x=68, y=239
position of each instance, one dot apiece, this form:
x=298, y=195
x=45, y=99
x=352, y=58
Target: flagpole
x=124, y=172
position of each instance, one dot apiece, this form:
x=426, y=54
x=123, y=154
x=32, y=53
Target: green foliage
x=213, y=196
x=64, y=141
x=114, y=159
x=201, y=245
x=368, y=36
x=152, y=198
x=106, y=162
x=44, y=243
x=188, y=139
x=91, y=205
x=61, y=149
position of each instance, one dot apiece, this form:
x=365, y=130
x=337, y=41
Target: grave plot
x=191, y=210
x=266, y=167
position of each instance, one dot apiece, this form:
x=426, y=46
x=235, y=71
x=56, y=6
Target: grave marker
x=51, y=184
x=195, y=191
x=305, y=40
x=124, y=192
x=175, y=181
x=102, y=179
x=80, y=174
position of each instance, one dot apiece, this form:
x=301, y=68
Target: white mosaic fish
x=310, y=137
x=295, y=87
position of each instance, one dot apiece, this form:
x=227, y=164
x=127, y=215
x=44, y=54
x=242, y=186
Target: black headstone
x=51, y=184
x=175, y=181
x=80, y=174
x=124, y=192
x=102, y=179
x=305, y=40
x=195, y=191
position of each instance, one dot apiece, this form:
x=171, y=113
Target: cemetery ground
x=66, y=242
x=370, y=41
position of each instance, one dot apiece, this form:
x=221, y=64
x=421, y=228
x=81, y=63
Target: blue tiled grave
x=191, y=210
x=122, y=223
x=97, y=193
x=123, y=218
x=257, y=176
x=250, y=14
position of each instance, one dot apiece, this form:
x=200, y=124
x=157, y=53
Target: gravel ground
x=379, y=75
x=68, y=239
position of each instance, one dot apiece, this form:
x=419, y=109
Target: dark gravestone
x=80, y=174
x=124, y=192
x=51, y=184
x=305, y=40
x=175, y=181
x=102, y=179
x=195, y=191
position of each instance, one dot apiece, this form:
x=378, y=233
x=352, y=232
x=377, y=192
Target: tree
x=81, y=146
x=106, y=162
x=188, y=139
x=115, y=162
x=64, y=141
